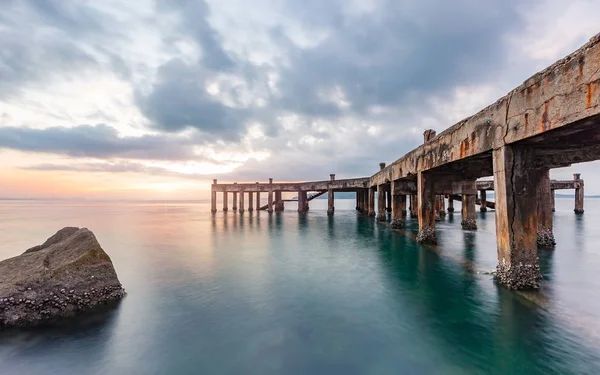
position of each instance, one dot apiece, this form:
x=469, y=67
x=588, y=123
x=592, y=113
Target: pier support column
x=515, y=187
x=257, y=200
x=553, y=200
x=388, y=198
x=213, y=197
x=381, y=203
x=250, y=201
x=302, y=201
x=482, y=200
x=442, y=205
x=398, y=208
x=241, y=207
x=278, y=202
x=235, y=200
x=371, y=201
x=270, y=196
x=578, y=193
x=450, y=203
x=365, y=195
x=225, y=201
x=358, y=201
x=426, y=209
x=330, y=202
x=436, y=205
x=468, y=212
x=413, y=206
x=545, y=237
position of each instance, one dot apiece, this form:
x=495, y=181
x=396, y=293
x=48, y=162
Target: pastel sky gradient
x=152, y=99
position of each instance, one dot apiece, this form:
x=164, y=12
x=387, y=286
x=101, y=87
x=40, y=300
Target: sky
x=152, y=99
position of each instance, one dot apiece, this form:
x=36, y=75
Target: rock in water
x=66, y=275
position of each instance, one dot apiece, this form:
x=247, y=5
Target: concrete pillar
x=413, y=206
x=241, y=207
x=213, y=197
x=381, y=215
x=436, y=208
x=270, y=196
x=250, y=201
x=358, y=201
x=388, y=198
x=257, y=200
x=482, y=200
x=426, y=209
x=330, y=202
x=235, y=200
x=450, y=204
x=225, y=201
x=302, y=201
x=468, y=212
x=365, y=195
x=578, y=193
x=278, y=201
x=371, y=201
x=442, y=206
x=398, y=208
x=545, y=236
x=553, y=200
x=381, y=165
x=515, y=187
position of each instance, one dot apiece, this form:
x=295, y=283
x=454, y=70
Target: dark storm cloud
x=179, y=100
x=100, y=141
x=396, y=55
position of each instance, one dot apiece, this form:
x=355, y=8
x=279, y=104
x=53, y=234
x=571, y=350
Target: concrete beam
x=352, y=184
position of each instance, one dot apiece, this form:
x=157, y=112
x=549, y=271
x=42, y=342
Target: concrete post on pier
x=398, y=208
x=426, y=209
x=278, y=201
x=250, y=202
x=257, y=200
x=371, y=201
x=442, y=207
x=358, y=201
x=365, y=196
x=553, y=196
x=437, y=205
x=213, y=197
x=450, y=203
x=330, y=197
x=270, y=196
x=482, y=200
x=413, y=206
x=516, y=187
x=578, y=193
x=381, y=210
x=388, y=198
x=235, y=200
x=545, y=237
x=468, y=211
x=225, y=201
x=241, y=207
x=302, y=201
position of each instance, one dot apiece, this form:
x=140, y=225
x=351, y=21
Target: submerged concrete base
x=397, y=223
x=519, y=276
x=578, y=210
x=450, y=210
x=381, y=217
x=427, y=236
x=545, y=238
x=469, y=224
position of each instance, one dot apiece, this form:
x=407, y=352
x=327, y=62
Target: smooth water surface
x=310, y=294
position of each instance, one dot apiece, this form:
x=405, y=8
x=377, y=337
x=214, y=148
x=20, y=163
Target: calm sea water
x=310, y=294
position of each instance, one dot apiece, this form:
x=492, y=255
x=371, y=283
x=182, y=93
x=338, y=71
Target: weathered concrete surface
x=516, y=217
x=330, y=202
x=578, y=194
x=381, y=206
x=372, y=202
x=545, y=236
x=426, y=209
x=352, y=184
x=468, y=212
x=69, y=274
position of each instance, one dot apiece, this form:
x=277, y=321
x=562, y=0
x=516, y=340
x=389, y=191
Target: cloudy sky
x=154, y=98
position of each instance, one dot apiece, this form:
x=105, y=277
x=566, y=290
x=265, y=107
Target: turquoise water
x=310, y=294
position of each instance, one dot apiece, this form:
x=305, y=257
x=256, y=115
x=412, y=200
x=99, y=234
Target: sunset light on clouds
x=153, y=99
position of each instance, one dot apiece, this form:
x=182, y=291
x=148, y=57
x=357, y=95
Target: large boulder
x=66, y=275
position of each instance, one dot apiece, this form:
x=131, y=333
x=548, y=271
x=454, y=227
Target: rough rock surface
x=427, y=236
x=66, y=275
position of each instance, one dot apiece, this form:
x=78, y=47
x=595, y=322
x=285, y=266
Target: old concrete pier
x=550, y=121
